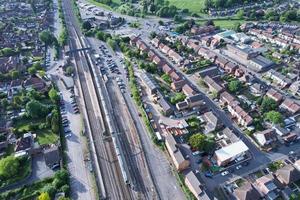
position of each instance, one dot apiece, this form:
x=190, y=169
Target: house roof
x=187, y=90
x=247, y=192
x=231, y=150
x=288, y=174
x=274, y=95
x=52, y=156
x=290, y=105
x=193, y=182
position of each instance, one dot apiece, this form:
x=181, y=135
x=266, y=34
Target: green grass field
x=224, y=23
x=46, y=136
x=194, y=6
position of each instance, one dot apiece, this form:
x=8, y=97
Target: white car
x=238, y=167
x=225, y=173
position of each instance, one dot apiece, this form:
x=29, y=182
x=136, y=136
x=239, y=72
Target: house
x=290, y=137
x=212, y=122
x=260, y=63
x=226, y=137
x=246, y=192
x=24, y=143
x=280, y=130
x=231, y=152
x=158, y=61
x=15, y=85
x=290, y=105
x=194, y=185
x=226, y=98
x=149, y=82
x=273, y=94
x=166, y=108
x=256, y=89
x=243, y=118
x=244, y=53
x=190, y=102
x=165, y=49
x=278, y=78
x=178, y=159
x=230, y=67
x=287, y=175
x=221, y=62
x=267, y=186
x=188, y=90
x=52, y=156
x=175, y=76
x=167, y=69
x=265, y=137
x=151, y=55
x=133, y=40
x=177, y=85
x=212, y=85
x=175, y=56
x=35, y=83
x=155, y=42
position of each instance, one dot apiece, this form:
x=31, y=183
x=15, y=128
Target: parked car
x=208, y=174
x=225, y=173
x=238, y=167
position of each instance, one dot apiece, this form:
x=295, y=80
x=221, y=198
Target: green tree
x=178, y=97
x=14, y=74
x=55, y=121
x=35, y=109
x=112, y=43
x=31, y=70
x=268, y=104
x=49, y=189
x=4, y=103
x=53, y=94
x=274, y=117
x=9, y=166
x=47, y=37
x=240, y=14
x=44, y=196
x=69, y=70
x=166, y=78
x=234, y=86
x=8, y=52
x=197, y=141
x=86, y=25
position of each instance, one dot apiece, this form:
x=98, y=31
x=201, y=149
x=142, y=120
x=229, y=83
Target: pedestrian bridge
x=68, y=51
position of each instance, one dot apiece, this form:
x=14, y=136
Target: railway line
x=111, y=175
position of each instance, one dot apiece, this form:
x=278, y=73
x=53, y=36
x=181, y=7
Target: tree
x=9, y=166
x=35, y=109
x=237, y=27
x=152, y=8
x=69, y=70
x=268, y=104
x=274, y=117
x=197, y=141
x=8, y=52
x=49, y=189
x=153, y=34
x=166, y=78
x=47, y=37
x=55, y=121
x=53, y=94
x=112, y=43
x=31, y=70
x=179, y=96
x=14, y=74
x=4, y=103
x=86, y=25
x=161, y=23
x=234, y=86
x=44, y=196
x=209, y=23
x=240, y=14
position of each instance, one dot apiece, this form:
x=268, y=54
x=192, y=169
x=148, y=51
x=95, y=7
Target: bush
x=66, y=189
x=50, y=189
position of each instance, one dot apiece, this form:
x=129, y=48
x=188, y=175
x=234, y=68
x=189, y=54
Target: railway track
x=115, y=188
